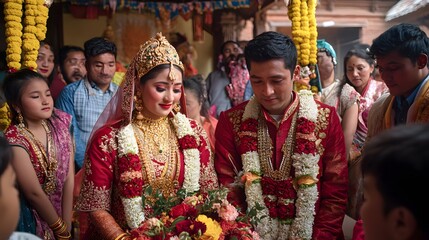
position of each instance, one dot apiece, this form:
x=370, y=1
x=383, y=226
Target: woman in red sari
x=145, y=140
x=42, y=156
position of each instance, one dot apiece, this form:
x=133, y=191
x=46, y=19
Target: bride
x=145, y=139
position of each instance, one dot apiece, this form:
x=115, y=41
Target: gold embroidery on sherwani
x=321, y=126
x=235, y=119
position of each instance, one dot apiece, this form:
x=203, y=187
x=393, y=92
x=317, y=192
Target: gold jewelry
x=161, y=170
x=60, y=229
x=138, y=105
x=21, y=120
x=47, y=159
x=176, y=107
x=121, y=236
x=156, y=134
x=265, y=150
x=154, y=52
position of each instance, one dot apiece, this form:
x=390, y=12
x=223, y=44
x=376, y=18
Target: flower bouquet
x=198, y=216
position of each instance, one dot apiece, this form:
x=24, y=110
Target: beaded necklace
x=45, y=157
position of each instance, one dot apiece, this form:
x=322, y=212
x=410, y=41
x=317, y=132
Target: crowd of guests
x=82, y=148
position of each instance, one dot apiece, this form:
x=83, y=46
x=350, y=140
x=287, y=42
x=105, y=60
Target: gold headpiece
x=154, y=52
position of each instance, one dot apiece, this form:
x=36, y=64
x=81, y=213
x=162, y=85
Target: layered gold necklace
x=158, y=149
x=46, y=157
x=265, y=150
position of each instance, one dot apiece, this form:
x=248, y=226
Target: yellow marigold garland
x=12, y=15
x=24, y=40
x=302, y=14
x=313, y=31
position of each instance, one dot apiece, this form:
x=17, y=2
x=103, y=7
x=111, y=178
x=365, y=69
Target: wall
x=77, y=31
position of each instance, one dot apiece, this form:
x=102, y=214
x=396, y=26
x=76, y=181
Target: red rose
x=305, y=126
x=285, y=189
x=188, y=142
x=286, y=211
x=199, y=226
x=273, y=212
x=268, y=186
x=132, y=188
x=191, y=227
x=180, y=210
x=305, y=146
x=135, y=162
x=183, y=226
x=123, y=164
x=248, y=144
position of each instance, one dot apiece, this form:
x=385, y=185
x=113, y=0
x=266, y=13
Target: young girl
x=42, y=156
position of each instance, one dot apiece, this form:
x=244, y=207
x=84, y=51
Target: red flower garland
x=277, y=195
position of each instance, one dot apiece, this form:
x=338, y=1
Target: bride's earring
x=176, y=108
x=138, y=106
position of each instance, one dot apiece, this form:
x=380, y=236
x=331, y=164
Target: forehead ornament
x=154, y=52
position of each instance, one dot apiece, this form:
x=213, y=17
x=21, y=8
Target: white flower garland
x=127, y=144
x=304, y=164
x=192, y=171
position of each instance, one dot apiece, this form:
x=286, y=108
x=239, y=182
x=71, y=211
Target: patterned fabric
x=239, y=76
x=99, y=190
x=227, y=90
x=332, y=186
x=216, y=91
x=373, y=91
x=85, y=102
x=59, y=124
x=341, y=102
x=209, y=125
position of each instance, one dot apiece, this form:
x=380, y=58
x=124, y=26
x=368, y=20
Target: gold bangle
x=121, y=236
x=56, y=223
x=60, y=228
x=60, y=237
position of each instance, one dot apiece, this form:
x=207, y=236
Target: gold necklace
x=156, y=133
x=265, y=150
x=167, y=181
x=47, y=159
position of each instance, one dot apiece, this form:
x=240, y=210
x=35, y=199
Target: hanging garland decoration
x=12, y=16
x=25, y=39
x=302, y=14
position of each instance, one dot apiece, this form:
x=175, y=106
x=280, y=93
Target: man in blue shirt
x=85, y=99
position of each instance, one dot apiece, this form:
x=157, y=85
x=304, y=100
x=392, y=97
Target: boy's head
x=395, y=170
x=401, y=54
